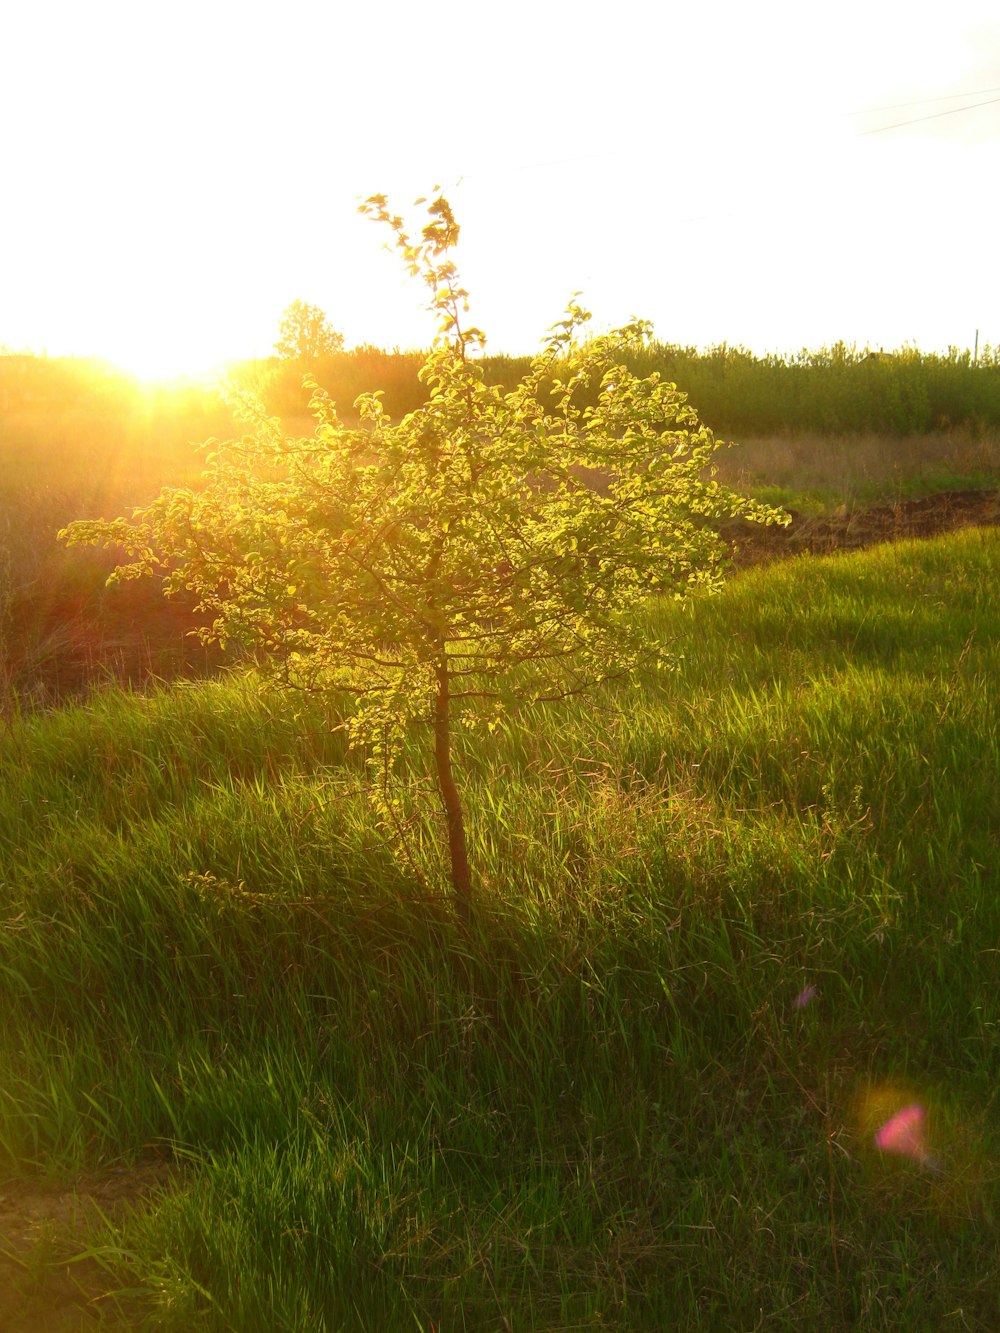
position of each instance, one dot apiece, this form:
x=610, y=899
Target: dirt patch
x=65, y=632
x=852, y=530
x=44, y=1285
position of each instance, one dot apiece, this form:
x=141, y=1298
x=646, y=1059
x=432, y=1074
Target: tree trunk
x=461, y=880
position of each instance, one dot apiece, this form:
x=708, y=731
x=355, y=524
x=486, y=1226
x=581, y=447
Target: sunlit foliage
x=489, y=548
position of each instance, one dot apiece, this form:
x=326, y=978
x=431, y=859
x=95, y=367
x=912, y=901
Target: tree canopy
x=489, y=548
x=305, y=333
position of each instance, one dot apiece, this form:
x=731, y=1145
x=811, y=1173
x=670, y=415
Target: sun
x=162, y=341
x=152, y=362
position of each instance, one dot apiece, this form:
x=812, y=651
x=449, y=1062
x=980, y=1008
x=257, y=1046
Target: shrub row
x=838, y=390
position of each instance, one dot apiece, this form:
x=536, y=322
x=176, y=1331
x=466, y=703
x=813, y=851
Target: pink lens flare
x=804, y=997
x=904, y=1134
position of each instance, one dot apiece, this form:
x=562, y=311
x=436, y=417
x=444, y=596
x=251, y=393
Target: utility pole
x=975, y=354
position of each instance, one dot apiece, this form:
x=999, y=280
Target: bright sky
x=176, y=174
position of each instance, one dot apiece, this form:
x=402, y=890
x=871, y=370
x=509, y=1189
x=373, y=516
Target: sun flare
x=156, y=338
x=152, y=362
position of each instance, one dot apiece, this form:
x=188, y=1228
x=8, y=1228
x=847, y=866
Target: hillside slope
x=733, y=920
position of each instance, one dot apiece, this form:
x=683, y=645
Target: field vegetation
x=838, y=390
x=733, y=920
x=255, y=1074
x=79, y=439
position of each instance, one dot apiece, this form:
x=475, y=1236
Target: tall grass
x=835, y=390
x=601, y=1107
x=831, y=391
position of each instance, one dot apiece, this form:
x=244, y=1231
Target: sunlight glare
x=154, y=360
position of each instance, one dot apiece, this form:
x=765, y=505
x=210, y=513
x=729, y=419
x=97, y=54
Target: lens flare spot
x=905, y=1134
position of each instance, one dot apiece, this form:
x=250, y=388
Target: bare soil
x=851, y=530
x=65, y=632
x=45, y=1284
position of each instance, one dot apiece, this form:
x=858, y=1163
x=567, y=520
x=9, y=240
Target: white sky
x=176, y=174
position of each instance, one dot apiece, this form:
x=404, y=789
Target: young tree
x=461, y=558
x=305, y=333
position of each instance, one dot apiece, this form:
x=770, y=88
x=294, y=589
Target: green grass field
x=600, y=1109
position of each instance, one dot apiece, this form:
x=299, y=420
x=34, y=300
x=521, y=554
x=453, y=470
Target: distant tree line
x=837, y=390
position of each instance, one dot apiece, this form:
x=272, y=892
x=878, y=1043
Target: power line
x=924, y=101
x=936, y=116
x=881, y=129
